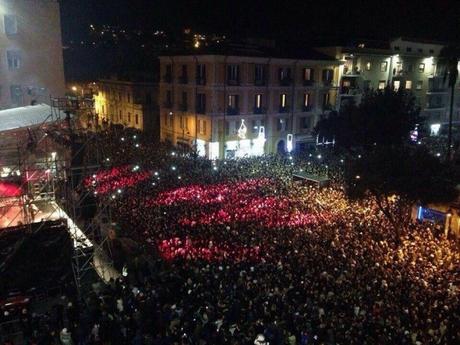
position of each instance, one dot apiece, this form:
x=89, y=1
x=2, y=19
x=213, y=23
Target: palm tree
x=449, y=57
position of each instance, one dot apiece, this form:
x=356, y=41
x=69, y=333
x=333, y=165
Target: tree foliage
x=384, y=117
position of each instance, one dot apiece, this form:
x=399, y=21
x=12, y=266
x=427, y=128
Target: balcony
x=183, y=79
x=284, y=109
x=260, y=82
x=167, y=78
x=233, y=111
x=309, y=82
x=183, y=107
x=200, y=80
x=233, y=82
x=346, y=90
x=200, y=110
x=327, y=83
x=259, y=110
x=306, y=108
x=286, y=81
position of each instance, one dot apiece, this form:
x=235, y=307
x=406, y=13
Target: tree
x=384, y=117
x=449, y=57
x=399, y=177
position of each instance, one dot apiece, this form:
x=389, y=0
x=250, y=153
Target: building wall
x=130, y=104
x=31, y=62
x=223, y=122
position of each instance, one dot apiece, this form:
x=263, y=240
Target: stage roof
x=21, y=117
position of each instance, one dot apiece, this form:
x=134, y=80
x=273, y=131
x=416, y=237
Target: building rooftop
x=22, y=117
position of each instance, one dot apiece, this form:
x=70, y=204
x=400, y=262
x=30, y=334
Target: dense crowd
x=237, y=252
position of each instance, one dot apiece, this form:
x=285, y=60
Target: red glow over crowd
x=117, y=178
x=9, y=190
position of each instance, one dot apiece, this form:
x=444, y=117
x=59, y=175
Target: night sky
x=309, y=20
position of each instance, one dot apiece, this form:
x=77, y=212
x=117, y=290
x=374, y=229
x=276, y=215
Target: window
x=11, y=24
x=233, y=101
x=119, y=115
x=168, y=101
x=384, y=66
x=421, y=67
x=201, y=74
x=306, y=100
x=396, y=85
x=328, y=75
x=233, y=74
x=419, y=85
x=397, y=48
x=366, y=85
x=408, y=84
x=184, y=103
x=171, y=120
x=410, y=68
x=129, y=117
x=326, y=99
x=258, y=101
x=16, y=94
x=283, y=100
x=14, y=59
x=281, y=125
x=129, y=97
x=183, y=122
x=431, y=51
x=202, y=127
x=259, y=74
x=307, y=74
x=137, y=119
x=420, y=50
x=368, y=66
x=382, y=84
x=284, y=73
x=201, y=103
x=184, y=71
x=408, y=49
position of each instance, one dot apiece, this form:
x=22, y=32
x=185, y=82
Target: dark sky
x=436, y=19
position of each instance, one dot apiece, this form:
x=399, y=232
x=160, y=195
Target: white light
x=242, y=130
x=173, y=167
x=156, y=173
x=290, y=144
x=53, y=155
x=179, y=177
x=215, y=168
x=113, y=196
x=438, y=154
x=153, y=183
x=107, y=159
x=122, y=139
x=341, y=161
x=134, y=136
x=173, y=153
x=359, y=156
x=137, y=145
x=319, y=156
x=358, y=177
x=119, y=191
x=435, y=129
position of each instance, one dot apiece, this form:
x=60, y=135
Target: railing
x=233, y=111
x=260, y=82
x=309, y=82
x=259, y=110
x=183, y=107
x=306, y=108
x=200, y=110
x=167, y=104
x=200, y=80
x=284, y=109
x=233, y=82
x=285, y=81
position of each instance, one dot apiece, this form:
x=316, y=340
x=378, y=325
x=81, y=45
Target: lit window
x=419, y=85
x=307, y=74
x=306, y=99
x=384, y=66
x=14, y=59
x=283, y=100
x=382, y=84
x=11, y=24
x=368, y=66
x=421, y=67
x=233, y=101
x=258, y=101
x=396, y=85
x=408, y=84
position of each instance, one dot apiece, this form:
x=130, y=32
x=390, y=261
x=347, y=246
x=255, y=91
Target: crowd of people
x=237, y=252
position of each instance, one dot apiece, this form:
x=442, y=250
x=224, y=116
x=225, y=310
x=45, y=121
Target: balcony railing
x=167, y=104
x=233, y=82
x=167, y=78
x=260, y=82
x=200, y=110
x=183, y=79
x=286, y=81
x=183, y=107
x=200, y=80
x=309, y=82
x=306, y=108
x=260, y=110
x=233, y=111
x=284, y=109
x=327, y=83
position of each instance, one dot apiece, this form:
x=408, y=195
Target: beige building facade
x=128, y=103
x=31, y=63
x=229, y=106
x=401, y=64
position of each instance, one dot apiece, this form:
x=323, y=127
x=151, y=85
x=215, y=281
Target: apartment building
x=244, y=103
x=31, y=63
x=401, y=63
x=128, y=103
